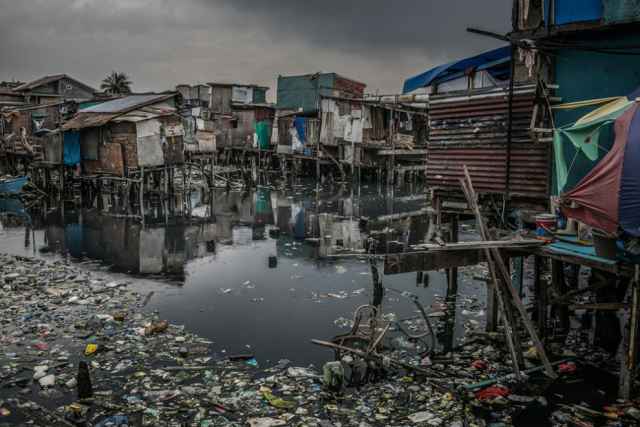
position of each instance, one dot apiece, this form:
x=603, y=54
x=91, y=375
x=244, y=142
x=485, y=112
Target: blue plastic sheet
x=299, y=123
x=629, y=208
x=71, y=148
x=569, y=11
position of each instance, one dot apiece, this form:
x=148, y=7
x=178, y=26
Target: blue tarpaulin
x=496, y=62
x=569, y=11
x=299, y=123
x=71, y=148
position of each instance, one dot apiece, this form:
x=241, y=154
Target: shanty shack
x=226, y=115
x=54, y=89
x=298, y=108
x=123, y=135
x=479, y=120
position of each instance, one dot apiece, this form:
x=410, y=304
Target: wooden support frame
x=495, y=259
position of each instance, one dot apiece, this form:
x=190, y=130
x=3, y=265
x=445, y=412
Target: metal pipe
x=510, y=125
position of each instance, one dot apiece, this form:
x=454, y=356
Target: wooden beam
x=493, y=256
x=603, y=306
x=491, y=244
x=402, y=152
x=421, y=212
x=430, y=261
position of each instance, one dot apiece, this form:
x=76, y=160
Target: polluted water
x=207, y=318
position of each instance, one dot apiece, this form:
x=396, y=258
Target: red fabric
x=597, y=196
x=493, y=392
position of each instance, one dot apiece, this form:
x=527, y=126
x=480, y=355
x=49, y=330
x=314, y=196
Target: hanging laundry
x=329, y=112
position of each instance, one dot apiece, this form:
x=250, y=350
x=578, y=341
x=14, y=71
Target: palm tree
x=116, y=84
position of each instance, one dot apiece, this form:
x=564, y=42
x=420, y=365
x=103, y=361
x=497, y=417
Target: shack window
x=89, y=142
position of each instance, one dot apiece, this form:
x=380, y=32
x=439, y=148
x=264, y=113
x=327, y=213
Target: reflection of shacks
x=125, y=245
x=119, y=136
x=337, y=232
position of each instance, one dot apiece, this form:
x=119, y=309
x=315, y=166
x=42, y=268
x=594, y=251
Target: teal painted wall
x=259, y=96
x=589, y=75
x=296, y=92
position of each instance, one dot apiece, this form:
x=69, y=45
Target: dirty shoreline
x=54, y=312
x=147, y=372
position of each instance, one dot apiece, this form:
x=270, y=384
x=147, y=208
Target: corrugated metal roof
x=126, y=103
x=41, y=81
x=48, y=79
x=86, y=120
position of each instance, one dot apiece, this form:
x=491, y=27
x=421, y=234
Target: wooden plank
x=421, y=212
x=497, y=244
x=430, y=261
x=402, y=152
x=603, y=306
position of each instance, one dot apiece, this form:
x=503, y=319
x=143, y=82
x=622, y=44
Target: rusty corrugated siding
x=472, y=130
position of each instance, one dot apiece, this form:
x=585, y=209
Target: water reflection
x=256, y=266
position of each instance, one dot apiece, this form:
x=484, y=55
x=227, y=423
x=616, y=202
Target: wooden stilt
x=628, y=366
x=540, y=290
x=560, y=287
x=452, y=286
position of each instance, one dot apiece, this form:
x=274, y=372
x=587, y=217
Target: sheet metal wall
x=472, y=130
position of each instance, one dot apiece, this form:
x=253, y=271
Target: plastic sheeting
x=263, y=135
x=495, y=62
x=149, y=143
x=598, y=197
x=589, y=137
x=71, y=148
x=630, y=183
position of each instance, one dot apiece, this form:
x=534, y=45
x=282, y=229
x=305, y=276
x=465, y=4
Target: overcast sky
x=160, y=43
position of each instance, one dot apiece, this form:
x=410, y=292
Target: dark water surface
x=247, y=269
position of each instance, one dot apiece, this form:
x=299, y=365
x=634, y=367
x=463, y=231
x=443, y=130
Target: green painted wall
x=259, y=96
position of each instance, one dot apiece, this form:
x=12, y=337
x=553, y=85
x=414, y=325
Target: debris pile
x=77, y=349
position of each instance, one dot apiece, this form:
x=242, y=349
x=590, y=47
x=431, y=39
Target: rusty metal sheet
x=471, y=130
x=111, y=159
x=87, y=120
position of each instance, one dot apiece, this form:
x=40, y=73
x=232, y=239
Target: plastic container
x=604, y=244
x=545, y=223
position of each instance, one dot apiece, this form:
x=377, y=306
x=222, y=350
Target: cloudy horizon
x=161, y=43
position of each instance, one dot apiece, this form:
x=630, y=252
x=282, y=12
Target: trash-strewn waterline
x=213, y=272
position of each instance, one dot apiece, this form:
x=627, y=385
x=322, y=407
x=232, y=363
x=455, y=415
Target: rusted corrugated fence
x=472, y=128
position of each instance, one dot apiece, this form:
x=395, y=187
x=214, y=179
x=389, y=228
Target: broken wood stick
x=506, y=277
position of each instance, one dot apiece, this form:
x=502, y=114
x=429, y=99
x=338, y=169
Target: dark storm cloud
x=164, y=42
x=382, y=24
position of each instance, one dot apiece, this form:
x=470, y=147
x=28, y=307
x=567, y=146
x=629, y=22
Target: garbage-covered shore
x=140, y=370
